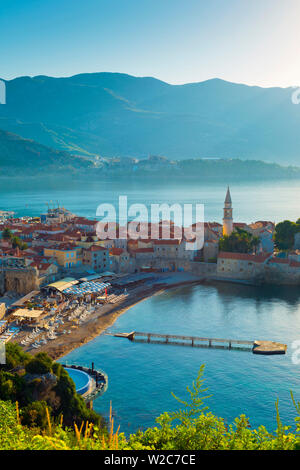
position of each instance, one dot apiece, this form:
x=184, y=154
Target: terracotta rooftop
x=279, y=260
x=144, y=250
x=116, y=251
x=294, y=264
x=261, y=258
x=167, y=242
x=95, y=248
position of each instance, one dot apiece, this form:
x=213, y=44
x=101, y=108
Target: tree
x=15, y=356
x=18, y=243
x=6, y=234
x=41, y=363
x=240, y=241
x=284, y=236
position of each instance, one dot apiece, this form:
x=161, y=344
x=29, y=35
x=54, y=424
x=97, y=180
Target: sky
x=179, y=41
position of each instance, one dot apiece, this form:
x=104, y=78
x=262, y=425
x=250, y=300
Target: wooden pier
x=257, y=347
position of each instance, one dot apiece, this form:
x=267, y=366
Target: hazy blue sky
x=249, y=41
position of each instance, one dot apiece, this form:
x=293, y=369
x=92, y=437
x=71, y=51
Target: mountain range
x=21, y=158
x=118, y=115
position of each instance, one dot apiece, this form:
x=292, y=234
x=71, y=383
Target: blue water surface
x=256, y=200
x=142, y=376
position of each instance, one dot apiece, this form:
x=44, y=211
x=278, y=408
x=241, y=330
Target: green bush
x=15, y=356
x=37, y=366
x=34, y=415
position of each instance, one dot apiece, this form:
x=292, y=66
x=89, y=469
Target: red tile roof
x=116, y=251
x=294, y=264
x=244, y=256
x=279, y=260
x=62, y=247
x=167, y=242
x=239, y=224
x=83, y=221
x=144, y=250
x=95, y=248
x=41, y=266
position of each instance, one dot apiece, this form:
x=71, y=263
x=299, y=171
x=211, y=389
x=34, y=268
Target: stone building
x=21, y=280
x=241, y=265
x=120, y=261
x=96, y=257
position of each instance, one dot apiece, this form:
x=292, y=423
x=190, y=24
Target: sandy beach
x=105, y=316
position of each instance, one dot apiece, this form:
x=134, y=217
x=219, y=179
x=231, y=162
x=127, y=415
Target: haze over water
x=257, y=200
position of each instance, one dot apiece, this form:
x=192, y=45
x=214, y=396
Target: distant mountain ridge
x=111, y=114
x=21, y=158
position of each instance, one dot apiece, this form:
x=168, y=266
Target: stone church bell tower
x=227, y=219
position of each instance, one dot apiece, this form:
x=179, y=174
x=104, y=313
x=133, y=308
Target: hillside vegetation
x=21, y=157
x=38, y=384
x=29, y=157
x=190, y=428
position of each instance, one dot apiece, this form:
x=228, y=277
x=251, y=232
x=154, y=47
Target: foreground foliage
x=190, y=428
x=37, y=383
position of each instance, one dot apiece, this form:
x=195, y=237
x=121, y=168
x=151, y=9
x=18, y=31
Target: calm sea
x=142, y=376
x=277, y=200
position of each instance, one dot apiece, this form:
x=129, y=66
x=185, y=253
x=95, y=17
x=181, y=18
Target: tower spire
x=228, y=196
x=227, y=219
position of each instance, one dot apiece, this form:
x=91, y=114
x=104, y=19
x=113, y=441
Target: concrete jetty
x=268, y=347
x=257, y=347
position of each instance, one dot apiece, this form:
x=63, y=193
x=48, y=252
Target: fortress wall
x=21, y=281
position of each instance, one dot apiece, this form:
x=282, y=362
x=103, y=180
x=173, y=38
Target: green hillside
x=113, y=114
x=18, y=155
